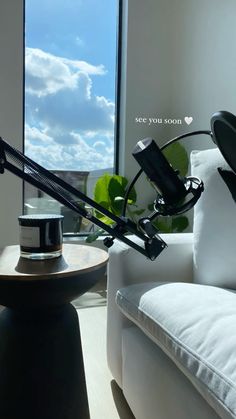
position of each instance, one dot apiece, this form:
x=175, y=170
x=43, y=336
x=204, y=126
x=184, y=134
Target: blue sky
x=70, y=83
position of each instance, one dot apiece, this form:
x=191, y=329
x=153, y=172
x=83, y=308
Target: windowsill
x=82, y=240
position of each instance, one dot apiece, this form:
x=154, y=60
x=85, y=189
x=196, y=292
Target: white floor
x=105, y=398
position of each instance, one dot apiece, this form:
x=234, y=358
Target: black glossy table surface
x=41, y=362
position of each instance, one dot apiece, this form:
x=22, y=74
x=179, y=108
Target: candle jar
x=40, y=236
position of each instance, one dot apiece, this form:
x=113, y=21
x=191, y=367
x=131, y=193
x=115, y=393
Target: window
x=70, y=57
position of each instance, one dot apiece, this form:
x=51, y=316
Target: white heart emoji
x=188, y=119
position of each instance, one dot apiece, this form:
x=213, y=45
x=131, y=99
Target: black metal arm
x=22, y=166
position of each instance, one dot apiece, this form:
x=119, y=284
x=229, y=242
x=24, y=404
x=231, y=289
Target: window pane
x=70, y=58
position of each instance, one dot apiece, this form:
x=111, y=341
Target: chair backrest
x=214, y=225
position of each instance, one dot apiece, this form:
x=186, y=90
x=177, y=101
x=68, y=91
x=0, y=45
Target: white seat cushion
x=195, y=326
x=214, y=226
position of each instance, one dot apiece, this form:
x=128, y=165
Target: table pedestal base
x=41, y=365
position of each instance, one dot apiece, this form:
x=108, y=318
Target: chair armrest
x=175, y=264
x=126, y=266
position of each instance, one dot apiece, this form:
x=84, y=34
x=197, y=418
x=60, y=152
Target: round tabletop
x=76, y=258
x=26, y=283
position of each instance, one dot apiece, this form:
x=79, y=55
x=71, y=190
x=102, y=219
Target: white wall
x=143, y=93
x=11, y=112
x=179, y=59
x=203, y=61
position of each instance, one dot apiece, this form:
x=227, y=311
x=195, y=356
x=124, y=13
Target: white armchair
x=171, y=323
x=126, y=266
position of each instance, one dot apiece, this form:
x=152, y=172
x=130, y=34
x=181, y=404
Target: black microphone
x=171, y=188
x=165, y=179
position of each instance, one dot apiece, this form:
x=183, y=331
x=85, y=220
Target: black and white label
x=29, y=236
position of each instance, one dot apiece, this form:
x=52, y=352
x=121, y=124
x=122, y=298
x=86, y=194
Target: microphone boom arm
x=31, y=172
x=172, y=190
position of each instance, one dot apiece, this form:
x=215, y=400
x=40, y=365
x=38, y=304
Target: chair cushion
x=195, y=326
x=214, y=225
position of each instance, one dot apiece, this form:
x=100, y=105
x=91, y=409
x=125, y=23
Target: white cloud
x=86, y=67
x=79, y=110
x=99, y=144
x=63, y=112
x=34, y=136
x=77, y=156
x=47, y=74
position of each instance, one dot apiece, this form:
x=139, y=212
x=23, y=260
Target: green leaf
x=93, y=236
x=124, y=184
x=121, y=179
x=163, y=225
x=101, y=189
x=106, y=220
x=132, y=196
x=103, y=204
x=109, y=192
x=131, y=203
x=116, y=189
x=177, y=157
x=171, y=224
x=119, y=198
x=179, y=224
x=107, y=189
x=102, y=217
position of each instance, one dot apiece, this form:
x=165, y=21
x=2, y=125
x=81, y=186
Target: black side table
x=41, y=362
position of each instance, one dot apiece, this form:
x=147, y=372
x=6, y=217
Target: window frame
x=119, y=6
